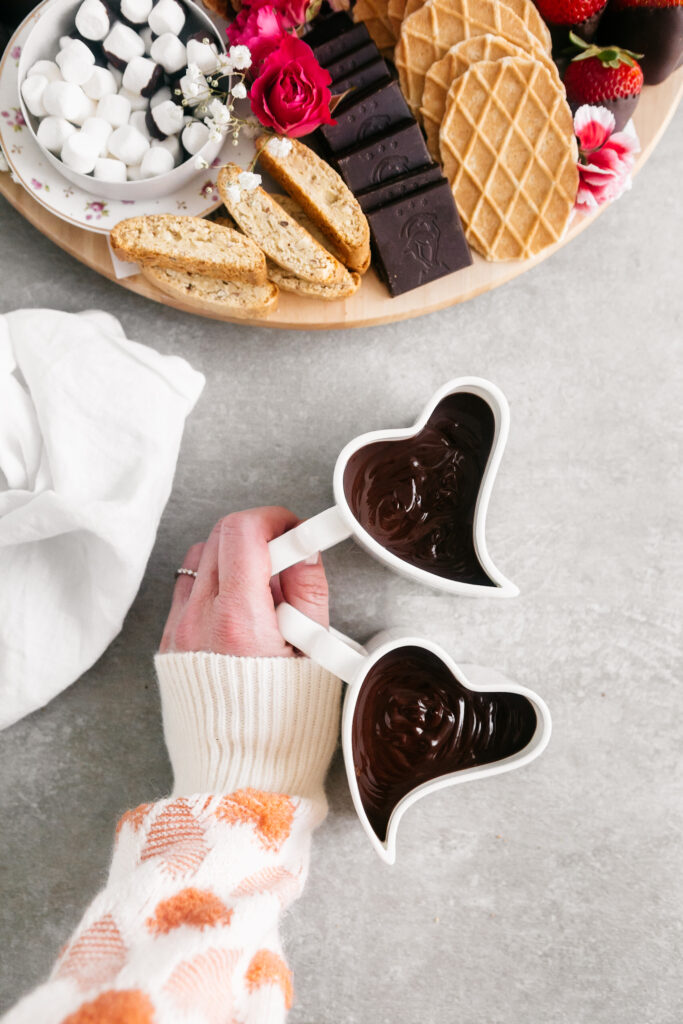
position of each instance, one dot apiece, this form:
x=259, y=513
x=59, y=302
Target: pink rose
x=293, y=12
x=261, y=29
x=606, y=158
x=291, y=95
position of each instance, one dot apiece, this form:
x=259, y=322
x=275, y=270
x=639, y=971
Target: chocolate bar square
x=397, y=188
x=336, y=36
x=418, y=239
x=353, y=60
x=375, y=73
x=370, y=113
x=385, y=156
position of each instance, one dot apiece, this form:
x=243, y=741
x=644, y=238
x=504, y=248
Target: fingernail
x=313, y=559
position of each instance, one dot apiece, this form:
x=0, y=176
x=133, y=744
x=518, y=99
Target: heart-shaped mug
x=413, y=722
x=416, y=498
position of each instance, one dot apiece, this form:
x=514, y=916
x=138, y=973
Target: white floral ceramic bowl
x=57, y=19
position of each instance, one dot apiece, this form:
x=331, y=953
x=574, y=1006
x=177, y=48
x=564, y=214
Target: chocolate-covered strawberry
x=563, y=16
x=604, y=76
x=654, y=28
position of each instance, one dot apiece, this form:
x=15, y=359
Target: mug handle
x=317, y=534
x=331, y=650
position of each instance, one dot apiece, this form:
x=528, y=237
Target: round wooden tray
x=371, y=304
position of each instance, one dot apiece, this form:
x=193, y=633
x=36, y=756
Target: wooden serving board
x=371, y=304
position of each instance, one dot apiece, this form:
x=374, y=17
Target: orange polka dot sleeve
x=186, y=929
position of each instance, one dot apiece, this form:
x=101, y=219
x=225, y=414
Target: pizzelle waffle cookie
x=398, y=10
x=443, y=74
x=376, y=17
x=509, y=152
x=428, y=34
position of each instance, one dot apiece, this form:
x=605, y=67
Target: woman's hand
x=230, y=607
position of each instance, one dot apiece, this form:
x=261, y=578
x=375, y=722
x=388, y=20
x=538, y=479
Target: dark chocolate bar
x=418, y=239
x=375, y=73
x=397, y=188
x=353, y=60
x=369, y=113
x=386, y=156
x=335, y=36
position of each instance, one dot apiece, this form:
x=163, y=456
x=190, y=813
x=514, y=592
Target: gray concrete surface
x=552, y=895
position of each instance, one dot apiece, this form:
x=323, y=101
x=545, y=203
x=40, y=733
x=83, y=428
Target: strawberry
x=569, y=12
x=604, y=76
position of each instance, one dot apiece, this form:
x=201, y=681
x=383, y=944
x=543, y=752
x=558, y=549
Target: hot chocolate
x=413, y=722
x=417, y=497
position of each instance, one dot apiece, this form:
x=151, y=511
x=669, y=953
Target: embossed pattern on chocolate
x=384, y=156
x=416, y=497
x=366, y=116
x=414, y=722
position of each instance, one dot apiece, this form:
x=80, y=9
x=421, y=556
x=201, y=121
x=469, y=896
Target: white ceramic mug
x=337, y=523
x=352, y=663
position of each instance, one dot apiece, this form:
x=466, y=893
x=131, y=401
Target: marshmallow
x=156, y=161
x=167, y=119
x=168, y=51
x=147, y=37
x=134, y=173
x=64, y=99
x=136, y=11
x=53, y=132
x=107, y=169
x=47, y=68
x=115, y=109
x=138, y=119
x=76, y=47
x=128, y=144
x=100, y=130
x=160, y=97
x=80, y=152
x=76, y=62
x=137, y=102
x=167, y=16
x=93, y=19
x=121, y=45
x=101, y=83
x=116, y=74
x=32, y=89
x=194, y=136
x=204, y=55
x=142, y=76
x=172, y=144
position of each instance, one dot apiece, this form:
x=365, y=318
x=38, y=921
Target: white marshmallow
x=100, y=130
x=32, y=89
x=47, y=68
x=160, y=97
x=204, y=55
x=65, y=41
x=172, y=144
x=123, y=44
x=156, y=161
x=101, y=83
x=64, y=99
x=141, y=76
x=92, y=20
x=128, y=144
x=53, y=132
x=137, y=102
x=138, y=119
x=80, y=152
x=107, y=169
x=137, y=11
x=115, y=109
x=116, y=75
x=167, y=16
x=75, y=47
x=168, y=51
x=74, y=67
x=168, y=117
x=134, y=173
x=147, y=37
x=194, y=136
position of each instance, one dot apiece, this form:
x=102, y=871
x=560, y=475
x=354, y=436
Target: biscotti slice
x=289, y=283
x=234, y=298
x=281, y=238
x=190, y=244
x=323, y=195
x=301, y=217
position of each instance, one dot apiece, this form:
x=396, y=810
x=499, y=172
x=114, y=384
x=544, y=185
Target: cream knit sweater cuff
x=232, y=723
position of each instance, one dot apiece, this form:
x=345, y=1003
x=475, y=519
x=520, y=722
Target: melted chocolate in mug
x=416, y=497
x=413, y=722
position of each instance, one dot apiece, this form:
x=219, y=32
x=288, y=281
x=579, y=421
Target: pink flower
x=606, y=158
x=293, y=12
x=291, y=93
x=261, y=29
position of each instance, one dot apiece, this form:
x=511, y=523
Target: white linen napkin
x=90, y=427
